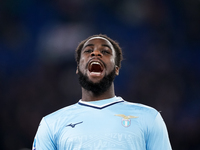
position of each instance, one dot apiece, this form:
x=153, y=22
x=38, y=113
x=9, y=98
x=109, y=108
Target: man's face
x=97, y=61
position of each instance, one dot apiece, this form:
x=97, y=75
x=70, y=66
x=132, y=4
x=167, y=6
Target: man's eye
x=89, y=51
x=105, y=52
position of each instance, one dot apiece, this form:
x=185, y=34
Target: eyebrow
x=88, y=45
x=105, y=45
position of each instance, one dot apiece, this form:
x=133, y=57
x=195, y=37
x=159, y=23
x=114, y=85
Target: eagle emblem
x=126, y=120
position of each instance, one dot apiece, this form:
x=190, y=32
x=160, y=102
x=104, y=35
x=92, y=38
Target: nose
x=96, y=53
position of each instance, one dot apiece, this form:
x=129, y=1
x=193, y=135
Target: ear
x=117, y=70
x=77, y=70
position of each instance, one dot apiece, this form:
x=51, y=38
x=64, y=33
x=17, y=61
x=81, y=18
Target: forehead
x=99, y=40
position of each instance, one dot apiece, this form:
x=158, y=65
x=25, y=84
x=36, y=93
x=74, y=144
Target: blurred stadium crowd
x=161, y=44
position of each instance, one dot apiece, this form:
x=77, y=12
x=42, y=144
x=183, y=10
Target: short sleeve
x=43, y=138
x=158, y=138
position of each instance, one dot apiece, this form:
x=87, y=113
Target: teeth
x=95, y=73
x=94, y=68
x=96, y=63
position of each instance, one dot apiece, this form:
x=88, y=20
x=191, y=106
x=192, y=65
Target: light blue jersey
x=110, y=124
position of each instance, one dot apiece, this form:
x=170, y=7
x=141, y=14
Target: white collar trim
x=102, y=103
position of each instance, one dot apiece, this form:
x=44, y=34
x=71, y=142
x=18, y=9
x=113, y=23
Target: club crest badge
x=126, y=120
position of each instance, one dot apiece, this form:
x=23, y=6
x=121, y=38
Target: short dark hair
x=116, y=47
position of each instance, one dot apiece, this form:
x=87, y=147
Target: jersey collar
x=100, y=104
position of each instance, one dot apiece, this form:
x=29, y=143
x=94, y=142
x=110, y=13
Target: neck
x=90, y=96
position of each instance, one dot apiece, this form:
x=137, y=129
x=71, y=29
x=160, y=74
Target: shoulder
x=147, y=115
x=60, y=114
x=51, y=125
x=141, y=108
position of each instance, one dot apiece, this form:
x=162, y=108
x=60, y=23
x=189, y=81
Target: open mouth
x=95, y=67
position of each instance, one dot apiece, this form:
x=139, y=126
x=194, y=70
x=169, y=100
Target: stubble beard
x=96, y=88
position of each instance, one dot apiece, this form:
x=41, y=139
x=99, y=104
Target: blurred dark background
x=161, y=44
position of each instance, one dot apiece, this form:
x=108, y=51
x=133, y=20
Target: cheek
x=82, y=64
x=81, y=60
x=114, y=57
x=112, y=60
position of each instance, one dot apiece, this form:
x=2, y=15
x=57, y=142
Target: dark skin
x=102, y=52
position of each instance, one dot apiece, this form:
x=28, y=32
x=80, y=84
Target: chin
x=97, y=87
